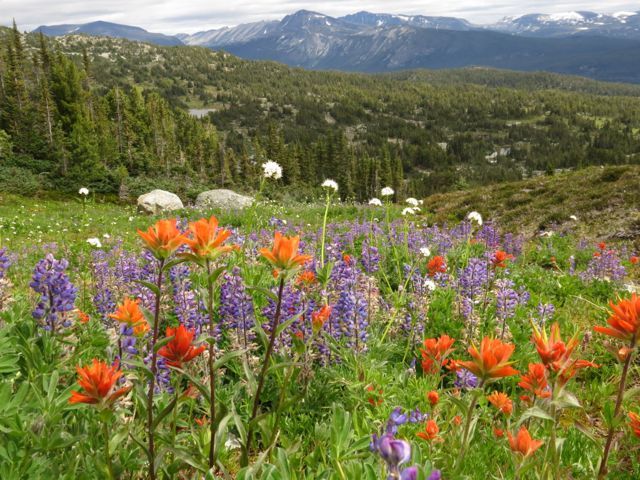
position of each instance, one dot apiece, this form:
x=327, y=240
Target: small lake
x=200, y=112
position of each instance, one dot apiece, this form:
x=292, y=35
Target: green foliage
x=89, y=105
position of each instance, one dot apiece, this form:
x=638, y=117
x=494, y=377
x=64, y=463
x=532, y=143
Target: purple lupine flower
x=572, y=265
x=475, y=277
x=236, y=306
x=5, y=262
x=187, y=307
x=103, y=299
x=524, y=295
x=350, y=308
x=513, y=244
x=465, y=379
x=545, y=312
x=507, y=299
x=410, y=473
x=416, y=416
x=396, y=418
x=57, y=293
x=393, y=451
x=606, y=265
x=163, y=374
x=435, y=475
x=489, y=235
x=370, y=258
x=466, y=308
x=294, y=304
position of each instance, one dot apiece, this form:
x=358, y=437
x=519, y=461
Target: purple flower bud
x=410, y=473
x=394, y=452
x=435, y=475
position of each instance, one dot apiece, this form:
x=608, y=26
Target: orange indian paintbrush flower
x=556, y=354
x=634, y=422
x=98, y=380
x=499, y=258
x=163, y=238
x=552, y=350
x=491, y=360
x=522, y=443
x=430, y=431
x=536, y=381
x=624, y=322
x=180, y=348
x=319, y=317
x=129, y=313
x=434, y=353
x=284, y=254
x=502, y=402
x=436, y=265
x=206, y=240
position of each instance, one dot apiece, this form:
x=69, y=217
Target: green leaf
x=204, y=389
x=173, y=263
x=227, y=357
x=142, y=366
x=151, y=286
x=215, y=274
x=566, y=400
x=161, y=343
x=267, y=293
x=165, y=411
x=141, y=444
x=534, y=412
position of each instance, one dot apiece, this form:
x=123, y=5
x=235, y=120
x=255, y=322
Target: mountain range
x=605, y=47
x=108, y=29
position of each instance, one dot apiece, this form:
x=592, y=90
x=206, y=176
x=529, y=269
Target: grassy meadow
x=387, y=343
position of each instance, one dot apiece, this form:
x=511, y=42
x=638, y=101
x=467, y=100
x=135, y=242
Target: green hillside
x=112, y=114
x=605, y=202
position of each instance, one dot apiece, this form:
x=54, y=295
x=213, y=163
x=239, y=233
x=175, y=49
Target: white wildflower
x=387, y=192
x=408, y=211
x=548, y=233
x=413, y=202
x=106, y=235
x=475, y=217
x=425, y=251
x=574, y=218
x=328, y=183
x=83, y=191
x=430, y=284
x=94, y=242
x=272, y=170
x=376, y=202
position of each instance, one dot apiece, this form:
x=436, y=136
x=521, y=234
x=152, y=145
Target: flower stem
x=263, y=373
x=623, y=382
x=107, y=453
x=212, y=378
x=154, y=371
x=467, y=426
x=324, y=230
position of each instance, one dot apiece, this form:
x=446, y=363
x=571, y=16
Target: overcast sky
x=174, y=16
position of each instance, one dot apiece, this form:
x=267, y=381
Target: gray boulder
x=159, y=201
x=223, y=199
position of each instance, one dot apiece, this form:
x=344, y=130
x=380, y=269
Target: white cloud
x=174, y=16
